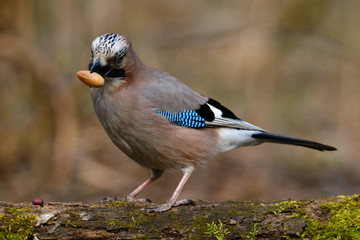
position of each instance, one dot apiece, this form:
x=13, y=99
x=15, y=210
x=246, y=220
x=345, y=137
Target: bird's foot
x=183, y=202
x=126, y=199
x=168, y=205
x=137, y=200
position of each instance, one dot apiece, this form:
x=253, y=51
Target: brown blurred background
x=291, y=67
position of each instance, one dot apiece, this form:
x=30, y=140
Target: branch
x=205, y=220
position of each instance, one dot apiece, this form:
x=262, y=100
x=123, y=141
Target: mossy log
x=204, y=220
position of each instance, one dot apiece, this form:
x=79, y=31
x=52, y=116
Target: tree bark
x=204, y=220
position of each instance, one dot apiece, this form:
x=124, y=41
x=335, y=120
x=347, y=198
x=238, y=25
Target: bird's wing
x=181, y=105
x=216, y=115
x=166, y=93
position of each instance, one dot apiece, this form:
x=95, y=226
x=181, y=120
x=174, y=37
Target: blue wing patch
x=188, y=118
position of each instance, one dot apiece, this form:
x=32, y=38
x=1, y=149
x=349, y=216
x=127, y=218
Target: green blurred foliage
x=291, y=67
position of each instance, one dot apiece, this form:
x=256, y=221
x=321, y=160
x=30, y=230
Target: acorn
x=38, y=201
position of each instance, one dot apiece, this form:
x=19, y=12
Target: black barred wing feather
x=188, y=118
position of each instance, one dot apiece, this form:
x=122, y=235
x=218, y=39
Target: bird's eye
x=120, y=59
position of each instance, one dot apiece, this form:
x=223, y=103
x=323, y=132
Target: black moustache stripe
x=115, y=73
x=109, y=72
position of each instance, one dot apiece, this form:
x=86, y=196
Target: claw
x=168, y=205
x=107, y=199
x=184, y=202
x=138, y=200
x=159, y=208
x=126, y=199
x=119, y=199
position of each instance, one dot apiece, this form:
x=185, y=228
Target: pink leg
x=172, y=201
x=155, y=174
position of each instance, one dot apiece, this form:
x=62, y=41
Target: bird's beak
x=106, y=70
x=100, y=69
x=96, y=66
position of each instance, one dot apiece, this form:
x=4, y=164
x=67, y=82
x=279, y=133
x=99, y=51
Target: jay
x=161, y=123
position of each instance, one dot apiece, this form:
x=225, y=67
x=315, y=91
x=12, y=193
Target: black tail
x=269, y=137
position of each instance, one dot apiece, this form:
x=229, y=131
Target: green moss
x=252, y=234
x=198, y=227
x=17, y=223
x=114, y=223
x=245, y=209
x=74, y=220
x=120, y=204
x=136, y=220
x=216, y=230
x=68, y=223
x=286, y=206
x=295, y=207
x=175, y=220
x=339, y=218
x=343, y=221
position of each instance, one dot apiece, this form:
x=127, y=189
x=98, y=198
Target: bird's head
x=112, y=56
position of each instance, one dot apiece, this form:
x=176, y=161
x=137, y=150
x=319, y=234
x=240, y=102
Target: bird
x=161, y=123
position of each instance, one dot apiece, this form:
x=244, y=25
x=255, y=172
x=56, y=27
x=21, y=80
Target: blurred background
x=290, y=67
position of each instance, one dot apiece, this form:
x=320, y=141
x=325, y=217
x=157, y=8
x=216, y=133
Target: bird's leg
x=172, y=201
x=155, y=174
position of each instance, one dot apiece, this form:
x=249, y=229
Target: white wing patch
x=221, y=121
x=217, y=112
